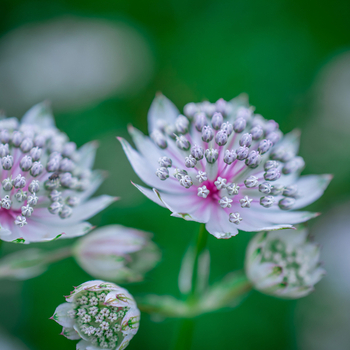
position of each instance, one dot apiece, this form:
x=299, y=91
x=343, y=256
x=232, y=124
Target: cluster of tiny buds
x=34, y=160
x=101, y=323
x=293, y=261
x=219, y=135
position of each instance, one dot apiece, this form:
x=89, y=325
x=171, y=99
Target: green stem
x=185, y=334
x=201, y=243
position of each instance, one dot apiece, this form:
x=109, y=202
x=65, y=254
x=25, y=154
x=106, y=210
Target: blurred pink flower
x=46, y=182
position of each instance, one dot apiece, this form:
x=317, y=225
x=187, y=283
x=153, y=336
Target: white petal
x=146, y=172
x=162, y=109
x=150, y=194
x=40, y=115
x=80, y=213
x=87, y=155
x=219, y=224
x=61, y=315
x=70, y=333
x=189, y=207
x=85, y=345
x=97, y=177
x=146, y=146
x=311, y=187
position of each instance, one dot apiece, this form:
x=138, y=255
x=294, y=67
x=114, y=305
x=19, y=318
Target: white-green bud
x=182, y=124
x=36, y=169
x=6, y=202
x=284, y=263
x=7, y=162
x=66, y=212
x=35, y=153
x=4, y=150
x=34, y=186
x=183, y=143
x=190, y=161
x=211, y=155
x=26, y=145
x=26, y=163
x=267, y=201
x=165, y=162
x=251, y=181
x=162, y=173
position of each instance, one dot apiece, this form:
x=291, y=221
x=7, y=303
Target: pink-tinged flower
x=222, y=165
x=117, y=253
x=101, y=314
x=46, y=182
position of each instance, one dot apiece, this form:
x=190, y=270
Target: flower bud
x=267, y=201
x=34, y=186
x=190, y=161
x=246, y=140
x=73, y=201
x=217, y=120
x=232, y=189
x=200, y=120
x=66, y=212
x=55, y=208
x=182, y=124
x=207, y=133
x=19, y=181
x=27, y=210
x=4, y=150
x=67, y=165
x=242, y=152
x=239, y=125
x=271, y=164
x=186, y=181
x=26, y=145
x=229, y=156
x=7, y=162
x=253, y=160
x=291, y=191
x=162, y=173
x=165, y=162
x=265, y=187
x=197, y=152
x=35, y=153
x=227, y=127
x=235, y=218
x=36, y=169
x=21, y=196
x=183, y=143
x=211, y=155
x=272, y=175
x=274, y=136
x=159, y=139
x=55, y=196
x=117, y=253
x=256, y=132
x=190, y=110
x=277, y=189
x=286, y=203
x=26, y=163
x=7, y=184
x=284, y=263
x=5, y=136
x=17, y=138
x=264, y=146
x=40, y=141
x=293, y=165
x=245, y=113
x=221, y=138
x=6, y=202
x=102, y=313
x=251, y=182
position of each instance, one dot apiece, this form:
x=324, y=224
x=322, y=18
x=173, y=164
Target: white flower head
x=226, y=149
x=46, y=182
x=117, y=253
x=113, y=333
x=283, y=263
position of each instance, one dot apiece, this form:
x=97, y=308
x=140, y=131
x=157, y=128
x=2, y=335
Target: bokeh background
x=101, y=63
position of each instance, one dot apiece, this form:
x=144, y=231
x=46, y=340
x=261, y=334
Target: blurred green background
x=101, y=63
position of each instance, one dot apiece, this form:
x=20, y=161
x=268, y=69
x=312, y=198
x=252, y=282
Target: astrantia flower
x=45, y=181
x=283, y=263
x=102, y=314
x=223, y=165
x=117, y=253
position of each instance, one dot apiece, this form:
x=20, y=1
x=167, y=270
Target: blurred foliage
x=203, y=50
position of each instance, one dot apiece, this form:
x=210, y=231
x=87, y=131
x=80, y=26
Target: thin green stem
x=201, y=243
x=185, y=334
